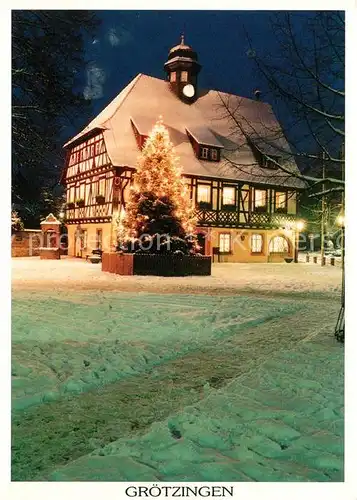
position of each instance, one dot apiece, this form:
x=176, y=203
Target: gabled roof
x=146, y=98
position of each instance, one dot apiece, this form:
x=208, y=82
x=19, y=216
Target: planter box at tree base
x=129, y=264
x=50, y=253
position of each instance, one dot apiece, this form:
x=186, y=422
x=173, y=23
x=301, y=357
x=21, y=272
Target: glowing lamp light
x=300, y=225
x=341, y=220
x=61, y=215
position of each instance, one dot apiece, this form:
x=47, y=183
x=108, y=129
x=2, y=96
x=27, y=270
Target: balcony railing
x=220, y=218
x=94, y=210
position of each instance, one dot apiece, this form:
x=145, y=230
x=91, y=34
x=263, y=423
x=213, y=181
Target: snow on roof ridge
x=119, y=99
x=133, y=84
x=228, y=94
x=206, y=90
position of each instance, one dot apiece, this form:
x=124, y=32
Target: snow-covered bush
x=16, y=222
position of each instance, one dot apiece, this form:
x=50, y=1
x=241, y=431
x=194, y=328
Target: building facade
x=229, y=146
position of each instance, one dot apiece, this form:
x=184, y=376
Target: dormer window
x=173, y=76
x=204, y=153
x=204, y=142
x=262, y=153
x=208, y=153
x=184, y=76
x=269, y=163
x=138, y=132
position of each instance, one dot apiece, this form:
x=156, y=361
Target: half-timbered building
x=245, y=206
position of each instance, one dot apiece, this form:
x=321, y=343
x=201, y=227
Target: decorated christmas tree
x=159, y=214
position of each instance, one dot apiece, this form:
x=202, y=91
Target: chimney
x=257, y=94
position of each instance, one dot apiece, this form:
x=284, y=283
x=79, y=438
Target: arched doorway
x=278, y=244
x=279, y=248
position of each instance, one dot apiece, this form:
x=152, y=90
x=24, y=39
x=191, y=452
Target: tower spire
x=182, y=68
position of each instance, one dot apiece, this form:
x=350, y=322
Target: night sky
x=131, y=42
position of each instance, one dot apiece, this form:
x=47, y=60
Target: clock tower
x=182, y=68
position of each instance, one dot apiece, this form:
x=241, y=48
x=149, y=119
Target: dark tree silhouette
x=47, y=63
x=304, y=80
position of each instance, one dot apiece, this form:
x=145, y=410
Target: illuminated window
x=184, y=76
x=280, y=200
x=214, y=154
x=260, y=198
x=229, y=197
x=71, y=194
x=266, y=163
x=256, y=243
x=81, y=191
x=278, y=244
x=101, y=190
x=203, y=193
x=173, y=76
x=204, y=153
x=224, y=242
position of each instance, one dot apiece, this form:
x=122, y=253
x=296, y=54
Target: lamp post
x=299, y=226
x=341, y=224
x=340, y=326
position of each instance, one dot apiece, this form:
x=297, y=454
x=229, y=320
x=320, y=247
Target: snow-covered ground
x=243, y=364
x=31, y=273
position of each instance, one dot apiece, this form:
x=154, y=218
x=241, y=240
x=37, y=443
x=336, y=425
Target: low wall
x=49, y=253
x=118, y=263
x=26, y=243
x=156, y=265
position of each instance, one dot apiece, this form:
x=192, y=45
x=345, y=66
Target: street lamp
x=341, y=220
x=299, y=226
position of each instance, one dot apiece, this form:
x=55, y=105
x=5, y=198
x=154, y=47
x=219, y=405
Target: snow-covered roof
x=204, y=136
x=145, y=98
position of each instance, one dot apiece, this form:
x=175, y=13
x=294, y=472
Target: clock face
x=189, y=90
